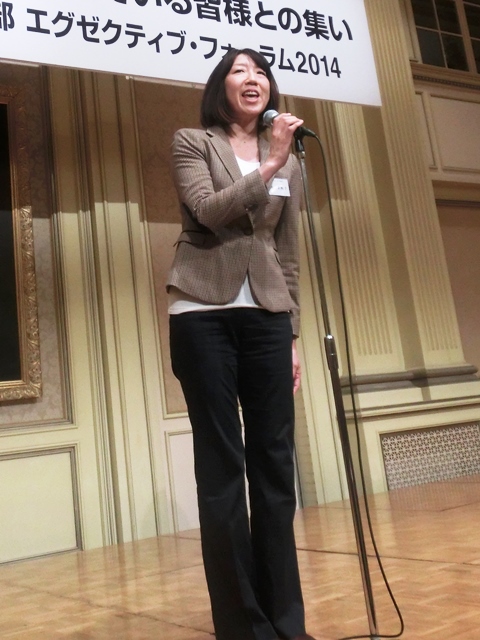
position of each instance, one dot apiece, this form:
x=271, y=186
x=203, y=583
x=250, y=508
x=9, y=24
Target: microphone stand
x=332, y=360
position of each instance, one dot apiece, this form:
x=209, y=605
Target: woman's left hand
x=283, y=129
x=296, y=368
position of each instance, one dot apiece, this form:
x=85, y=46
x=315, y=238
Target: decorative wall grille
x=429, y=455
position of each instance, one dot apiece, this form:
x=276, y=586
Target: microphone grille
x=269, y=116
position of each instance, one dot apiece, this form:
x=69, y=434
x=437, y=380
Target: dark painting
x=10, y=364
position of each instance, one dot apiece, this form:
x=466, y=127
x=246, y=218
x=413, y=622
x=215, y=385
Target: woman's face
x=247, y=89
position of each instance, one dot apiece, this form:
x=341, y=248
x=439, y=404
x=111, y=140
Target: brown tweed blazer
x=231, y=226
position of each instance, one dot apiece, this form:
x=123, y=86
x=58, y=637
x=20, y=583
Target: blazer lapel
x=225, y=152
x=222, y=146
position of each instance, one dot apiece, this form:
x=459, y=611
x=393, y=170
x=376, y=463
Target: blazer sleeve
x=192, y=173
x=286, y=240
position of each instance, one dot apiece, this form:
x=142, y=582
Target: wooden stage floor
x=428, y=537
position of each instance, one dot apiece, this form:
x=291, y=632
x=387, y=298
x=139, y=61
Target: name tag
x=279, y=187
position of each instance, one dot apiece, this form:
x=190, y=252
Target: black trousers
x=221, y=358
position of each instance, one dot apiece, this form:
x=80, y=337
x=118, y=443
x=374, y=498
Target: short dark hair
x=214, y=109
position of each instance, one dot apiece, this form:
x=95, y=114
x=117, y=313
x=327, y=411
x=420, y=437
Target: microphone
x=270, y=115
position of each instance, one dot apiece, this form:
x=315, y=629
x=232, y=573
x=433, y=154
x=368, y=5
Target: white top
x=180, y=302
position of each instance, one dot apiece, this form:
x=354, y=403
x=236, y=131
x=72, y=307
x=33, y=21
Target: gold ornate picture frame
x=17, y=262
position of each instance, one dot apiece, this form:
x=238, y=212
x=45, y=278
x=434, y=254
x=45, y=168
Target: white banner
x=316, y=48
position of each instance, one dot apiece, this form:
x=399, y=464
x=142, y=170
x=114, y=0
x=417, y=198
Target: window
x=448, y=33
x=472, y=14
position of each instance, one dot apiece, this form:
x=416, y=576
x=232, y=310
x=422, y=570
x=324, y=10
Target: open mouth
x=250, y=94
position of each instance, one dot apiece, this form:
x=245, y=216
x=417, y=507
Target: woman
x=234, y=317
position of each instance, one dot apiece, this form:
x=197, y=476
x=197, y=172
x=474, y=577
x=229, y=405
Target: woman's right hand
x=283, y=128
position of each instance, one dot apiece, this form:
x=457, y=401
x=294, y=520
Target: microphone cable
x=352, y=394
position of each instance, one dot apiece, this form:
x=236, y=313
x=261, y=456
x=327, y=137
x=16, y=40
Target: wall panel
x=38, y=504
x=450, y=123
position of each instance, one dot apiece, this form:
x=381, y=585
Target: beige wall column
x=374, y=337
x=375, y=344
x=127, y=320
x=407, y=356
x=370, y=308
x=425, y=305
